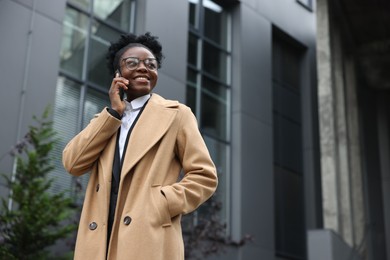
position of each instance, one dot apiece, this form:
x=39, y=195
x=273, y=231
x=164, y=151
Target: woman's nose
x=141, y=66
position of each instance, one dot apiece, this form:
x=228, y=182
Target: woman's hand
x=117, y=84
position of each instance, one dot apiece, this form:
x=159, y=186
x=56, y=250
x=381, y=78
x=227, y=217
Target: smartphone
x=121, y=91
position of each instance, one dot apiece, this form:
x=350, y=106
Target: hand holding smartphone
x=121, y=91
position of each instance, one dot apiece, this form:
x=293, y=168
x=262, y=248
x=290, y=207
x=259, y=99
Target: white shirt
x=131, y=112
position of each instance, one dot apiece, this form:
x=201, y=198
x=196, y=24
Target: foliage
x=36, y=221
x=208, y=237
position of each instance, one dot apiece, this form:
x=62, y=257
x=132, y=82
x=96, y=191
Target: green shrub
x=36, y=219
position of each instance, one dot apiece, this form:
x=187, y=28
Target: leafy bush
x=37, y=218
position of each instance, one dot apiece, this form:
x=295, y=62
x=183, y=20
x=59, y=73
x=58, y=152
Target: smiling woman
x=135, y=78
x=135, y=150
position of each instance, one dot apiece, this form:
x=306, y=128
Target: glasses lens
x=131, y=63
x=151, y=64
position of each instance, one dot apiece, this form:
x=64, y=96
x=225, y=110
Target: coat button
x=92, y=226
x=127, y=220
x=97, y=187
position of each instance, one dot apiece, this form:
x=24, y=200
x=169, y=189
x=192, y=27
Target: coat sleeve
x=200, y=177
x=85, y=148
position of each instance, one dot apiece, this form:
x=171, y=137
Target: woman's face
x=142, y=78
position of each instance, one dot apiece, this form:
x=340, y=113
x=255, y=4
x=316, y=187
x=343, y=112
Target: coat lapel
x=154, y=121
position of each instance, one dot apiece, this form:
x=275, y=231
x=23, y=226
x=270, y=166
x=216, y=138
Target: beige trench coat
x=147, y=224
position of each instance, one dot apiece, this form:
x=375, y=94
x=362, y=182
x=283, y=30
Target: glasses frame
x=139, y=61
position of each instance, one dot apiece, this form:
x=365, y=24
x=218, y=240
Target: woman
x=135, y=151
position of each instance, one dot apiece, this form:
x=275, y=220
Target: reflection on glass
x=81, y=3
x=192, y=53
x=115, y=12
x=193, y=15
x=73, y=42
x=212, y=6
x=214, y=88
x=192, y=77
x=214, y=62
x=97, y=65
x=215, y=24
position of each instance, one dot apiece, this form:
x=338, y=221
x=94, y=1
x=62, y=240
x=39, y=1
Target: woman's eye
x=152, y=66
x=132, y=63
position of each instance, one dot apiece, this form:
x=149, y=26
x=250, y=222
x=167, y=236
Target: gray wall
x=252, y=146
x=252, y=163
x=30, y=45
x=327, y=245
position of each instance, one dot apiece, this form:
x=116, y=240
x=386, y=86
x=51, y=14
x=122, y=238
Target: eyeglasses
x=132, y=63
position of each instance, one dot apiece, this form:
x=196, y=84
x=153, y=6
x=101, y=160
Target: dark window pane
x=289, y=207
x=287, y=102
x=215, y=23
x=214, y=116
x=192, y=77
x=215, y=88
x=192, y=56
x=191, y=98
x=286, y=65
x=288, y=152
x=214, y=62
x=288, y=144
x=193, y=16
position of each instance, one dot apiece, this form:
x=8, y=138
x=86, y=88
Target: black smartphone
x=121, y=91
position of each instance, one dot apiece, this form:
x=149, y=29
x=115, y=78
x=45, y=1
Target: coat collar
x=153, y=123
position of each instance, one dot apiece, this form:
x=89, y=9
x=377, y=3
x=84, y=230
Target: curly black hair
x=116, y=49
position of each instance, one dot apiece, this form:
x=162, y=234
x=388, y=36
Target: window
x=306, y=3
x=288, y=152
x=208, y=84
x=83, y=81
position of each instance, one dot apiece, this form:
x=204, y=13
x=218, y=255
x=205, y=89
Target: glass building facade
x=83, y=80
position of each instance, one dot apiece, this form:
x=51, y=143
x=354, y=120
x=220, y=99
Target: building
x=353, y=104
x=299, y=136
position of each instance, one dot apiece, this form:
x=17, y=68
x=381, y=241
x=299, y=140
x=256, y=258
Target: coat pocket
x=161, y=205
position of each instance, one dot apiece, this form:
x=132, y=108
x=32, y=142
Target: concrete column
x=355, y=165
x=342, y=187
x=326, y=119
x=341, y=140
